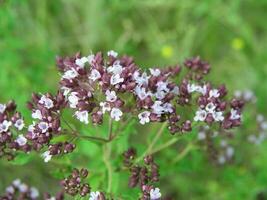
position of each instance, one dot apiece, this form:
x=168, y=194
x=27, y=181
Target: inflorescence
x=97, y=87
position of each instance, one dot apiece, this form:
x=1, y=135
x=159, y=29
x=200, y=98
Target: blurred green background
x=230, y=34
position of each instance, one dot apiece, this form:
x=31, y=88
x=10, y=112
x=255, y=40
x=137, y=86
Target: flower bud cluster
x=74, y=184
x=145, y=175
x=11, y=123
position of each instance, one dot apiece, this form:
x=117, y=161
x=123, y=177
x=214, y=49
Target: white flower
x=82, y=116
x=168, y=108
x=43, y=126
x=23, y=188
x=70, y=74
x=46, y=155
x=81, y=61
x=160, y=95
x=115, y=69
x=19, y=124
x=260, y=118
x=52, y=198
x=94, y=195
x=112, y=53
x=116, y=114
x=223, y=143
x=200, y=115
x=210, y=107
x=91, y=59
x=155, y=194
x=214, y=93
x=154, y=72
x=248, y=95
x=4, y=126
x=10, y=190
x=201, y=135
x=229, y=152
x=16, y=183
x=144, y=117
x=234, y=115
x=176, y=90
x=115, y=79
x=192, y=88
x=65, y=90
x=21, y=140
x=2, y=108
x=73, y=100
x=141, y=80
x=37, y=114
x=221, y=159
x=157, y=108
x=94, y=75
x=47, y=102
x=34, y=193
x=105, y=107
x=162, y=86
x=218, y=116
x=141, y=92
x=111, y=96
x=202, y=90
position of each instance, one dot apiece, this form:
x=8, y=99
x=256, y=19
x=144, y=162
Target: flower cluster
x=11, y=123
x=46, y=112
x=260, y=134
x=20, y=190
x=218, y=148
x=145, y=176
x=75, y=184
x=94, y=86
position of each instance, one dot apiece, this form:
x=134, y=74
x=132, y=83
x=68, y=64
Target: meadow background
x=230, y=34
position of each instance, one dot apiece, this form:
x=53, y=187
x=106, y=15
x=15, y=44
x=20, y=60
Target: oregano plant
x=102, y=100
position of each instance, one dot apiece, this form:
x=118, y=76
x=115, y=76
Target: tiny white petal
x=82, y=116
x=47, y=156
x=144, y=117
x=2, y=108
x=37, y=114
x=43, y=126
x=81, y=61
x=112, y=53
x=200, y=115
x=154, y=72
x=19, y=124
x=155, y=194
x=111, y=96
x=115, y=79
x=116, y=114
x=34, y=193
x=70, y=74
x=94, y=195
x=94, y=75
x=21, y=140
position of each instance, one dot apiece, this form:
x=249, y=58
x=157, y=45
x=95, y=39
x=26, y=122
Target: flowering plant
x=115, y=94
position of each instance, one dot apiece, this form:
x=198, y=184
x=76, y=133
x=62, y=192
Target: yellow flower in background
x=238, y=43
x=167, y=51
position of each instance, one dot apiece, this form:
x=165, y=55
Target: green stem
x=183, y=153
x=154, y=141
x=106, y=157
x=165, y=145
